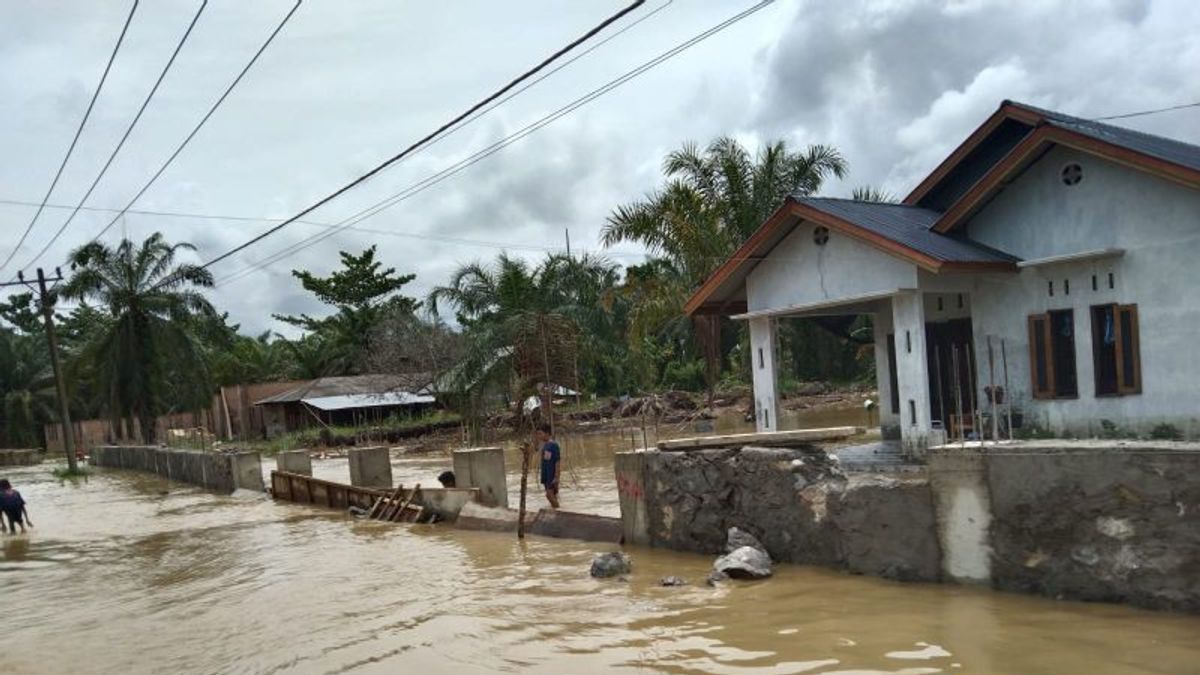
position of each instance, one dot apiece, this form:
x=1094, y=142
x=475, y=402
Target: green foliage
x=143, y=352
x=26, y=388
x=361, y=294
x=65, y=473
x=315, y=437
x=867, y=193
x=1166, y=432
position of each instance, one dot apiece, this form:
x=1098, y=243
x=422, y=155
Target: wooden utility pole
x=60, y=384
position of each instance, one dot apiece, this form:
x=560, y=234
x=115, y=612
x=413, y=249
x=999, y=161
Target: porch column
x=889, y=420
x=766, y=379
x=912, y=370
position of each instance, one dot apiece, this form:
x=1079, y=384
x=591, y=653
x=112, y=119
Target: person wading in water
x=551, y=464
x=13, y=506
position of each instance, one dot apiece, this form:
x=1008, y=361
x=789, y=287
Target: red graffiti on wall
x=628, y=487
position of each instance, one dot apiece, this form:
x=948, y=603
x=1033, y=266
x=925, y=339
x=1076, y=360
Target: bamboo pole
x=973, y=382
x=1007, y=391
x=937, y=365
x=992, y=389
x=957, y=392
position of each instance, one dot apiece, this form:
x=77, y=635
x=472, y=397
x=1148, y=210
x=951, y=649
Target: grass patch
x=316, y=437
x=67, y=473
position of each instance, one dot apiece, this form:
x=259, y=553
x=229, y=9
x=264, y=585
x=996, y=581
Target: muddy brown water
x=127, y=573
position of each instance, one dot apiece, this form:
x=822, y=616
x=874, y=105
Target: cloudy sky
x=894, y=84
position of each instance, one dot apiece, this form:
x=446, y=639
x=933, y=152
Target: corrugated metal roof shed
x=417, y=383
x=346, y=401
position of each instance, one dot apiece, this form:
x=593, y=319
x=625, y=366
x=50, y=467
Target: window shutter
x=1041, y=360
x=1129, y=361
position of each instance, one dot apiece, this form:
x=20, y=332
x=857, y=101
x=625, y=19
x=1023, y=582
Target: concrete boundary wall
x=23, y=457
x=1085, y=520
x=222, y=472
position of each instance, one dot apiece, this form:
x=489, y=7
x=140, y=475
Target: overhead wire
x=124, y=137
x=1141, y=113
x=199, y=125
x=446, y=173
x=428, y=137
x=78, y=132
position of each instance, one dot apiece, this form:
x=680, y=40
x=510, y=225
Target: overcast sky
x=894, y=84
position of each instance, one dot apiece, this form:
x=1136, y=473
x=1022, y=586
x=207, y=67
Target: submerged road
x=126, y=573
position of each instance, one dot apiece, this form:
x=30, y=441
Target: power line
x=446, y=173
x=410, y=149
x=120, y=144
x=83, y=122
x=203, y=120
x=1147, y=112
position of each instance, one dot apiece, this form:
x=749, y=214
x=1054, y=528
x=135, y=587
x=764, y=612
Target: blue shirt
x=550, y=456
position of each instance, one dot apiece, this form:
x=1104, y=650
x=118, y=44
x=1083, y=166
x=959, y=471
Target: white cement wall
x=912, y=370
x=1157, y=222
x=798, y=272
x=764, y=368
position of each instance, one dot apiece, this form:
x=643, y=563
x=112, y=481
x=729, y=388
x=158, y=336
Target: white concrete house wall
x=1157, y=224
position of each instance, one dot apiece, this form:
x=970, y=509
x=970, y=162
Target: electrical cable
x=203, y=120
x=446, y=173
x=79, y=131
x=410, y=149
x=120, y=144
x=1140, y=113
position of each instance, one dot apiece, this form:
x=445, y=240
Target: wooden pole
x=1007, y=392
x=526, y=451
x=60, y=384
x=957, y=392
x=992, y=389
x=937, y=365
x=973, y=382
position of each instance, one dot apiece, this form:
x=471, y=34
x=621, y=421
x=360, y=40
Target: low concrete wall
x=23, y=457
x=223, y=472
x=371, y=467
x=294, y=461
x=1079, y=520
x=483, y=468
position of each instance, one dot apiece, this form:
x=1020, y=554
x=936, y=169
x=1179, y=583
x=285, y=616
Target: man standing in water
x=551, y=466
x=13, y=507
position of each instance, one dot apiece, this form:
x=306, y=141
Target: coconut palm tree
x=26, y=387
x=148, y=348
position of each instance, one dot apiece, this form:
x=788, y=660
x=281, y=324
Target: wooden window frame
x=1124, y=387
x=1049, y=393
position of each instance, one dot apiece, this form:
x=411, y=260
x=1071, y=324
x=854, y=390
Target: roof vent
x=820, y=235
x=1071, y=174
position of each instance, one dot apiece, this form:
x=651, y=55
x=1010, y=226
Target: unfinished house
x=1047, y=251
x=345, y=401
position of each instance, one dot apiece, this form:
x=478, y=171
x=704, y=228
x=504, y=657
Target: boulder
x=736, y=538
x=613, y=564
x=672, y=581
x=746, y=562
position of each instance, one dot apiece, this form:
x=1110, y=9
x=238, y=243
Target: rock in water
x=672, y=581
x=746, y=562
x=613, y=564
x=736, y=539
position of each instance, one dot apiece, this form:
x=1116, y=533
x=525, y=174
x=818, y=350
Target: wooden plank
x=385, y=502
x=771, y=438
x=411, y=495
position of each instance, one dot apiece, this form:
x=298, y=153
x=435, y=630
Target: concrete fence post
x=371, y=467
x=483, y=468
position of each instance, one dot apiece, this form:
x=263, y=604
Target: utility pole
x=60, y=384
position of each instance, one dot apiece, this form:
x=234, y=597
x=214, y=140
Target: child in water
x=13, y=506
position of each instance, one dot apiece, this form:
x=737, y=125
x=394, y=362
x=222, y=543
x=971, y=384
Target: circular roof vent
x=820, y=235
x=1071, y=174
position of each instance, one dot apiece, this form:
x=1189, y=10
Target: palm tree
x=148, y=348
x=714, y=199
x=27, y=387
x=870, y=193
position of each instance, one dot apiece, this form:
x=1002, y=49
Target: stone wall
x=1115, y=522
x=796, y=501
x=219, y=471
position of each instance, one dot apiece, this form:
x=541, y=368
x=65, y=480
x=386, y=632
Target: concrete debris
x=715, y=578
x=737, y=538
x=746, y=562
x=612, y=564
x=672, y=581
x=357, y=511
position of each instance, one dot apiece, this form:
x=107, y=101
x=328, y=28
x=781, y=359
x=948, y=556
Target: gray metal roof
x=352, y=385
x=907, y=225
x=1167, y=149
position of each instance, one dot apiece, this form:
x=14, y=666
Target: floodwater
x=126, y=573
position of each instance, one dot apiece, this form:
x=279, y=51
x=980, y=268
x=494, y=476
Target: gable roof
x=1017, y=135
x=897, y=229
x=921, y=228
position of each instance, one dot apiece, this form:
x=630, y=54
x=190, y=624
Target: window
x=1052, y=354
x=1115, y=350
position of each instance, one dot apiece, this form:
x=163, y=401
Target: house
x=347, y=400
x=1066, y=245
